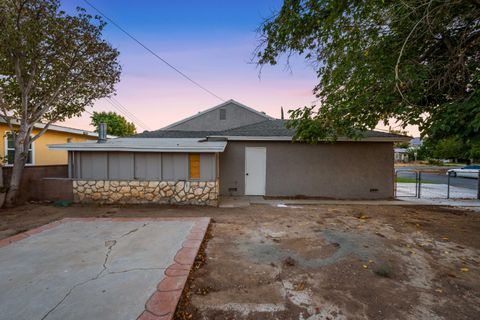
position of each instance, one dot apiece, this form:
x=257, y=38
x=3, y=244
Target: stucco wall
x=43, y=156
x=236, y=116
x=342, y=170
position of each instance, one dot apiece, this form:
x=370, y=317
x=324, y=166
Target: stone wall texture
x=135, y=191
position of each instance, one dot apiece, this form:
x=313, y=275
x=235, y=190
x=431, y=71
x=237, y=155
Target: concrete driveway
x=118, y=268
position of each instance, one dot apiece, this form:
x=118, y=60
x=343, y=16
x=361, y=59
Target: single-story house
x=39, y=154
x=229, y=150
x=400, y=154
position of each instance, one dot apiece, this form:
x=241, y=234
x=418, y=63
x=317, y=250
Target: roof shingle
x=267, y=128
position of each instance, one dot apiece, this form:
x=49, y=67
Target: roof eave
x=136, y=149
x=289, y=138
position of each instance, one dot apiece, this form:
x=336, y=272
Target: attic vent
x=223, y=114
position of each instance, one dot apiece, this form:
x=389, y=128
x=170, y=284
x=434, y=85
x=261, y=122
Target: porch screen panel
x=148, y=166
x=174, y=166
x=207, y=167
x=93, y=165
x=120, y=165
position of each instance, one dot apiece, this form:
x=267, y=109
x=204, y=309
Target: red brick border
x=162, y=303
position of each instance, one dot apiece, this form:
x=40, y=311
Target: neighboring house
x=416, y=143
x=195, y=166
x=39, y=154
x=400, y=154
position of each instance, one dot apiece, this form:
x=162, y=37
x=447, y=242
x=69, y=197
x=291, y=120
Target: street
x=432, y=177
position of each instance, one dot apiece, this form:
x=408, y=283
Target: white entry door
x=255, y=171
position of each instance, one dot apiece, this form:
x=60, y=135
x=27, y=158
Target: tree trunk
x=20, y=158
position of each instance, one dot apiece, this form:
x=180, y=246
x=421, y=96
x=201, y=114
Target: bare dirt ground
x=317, y=262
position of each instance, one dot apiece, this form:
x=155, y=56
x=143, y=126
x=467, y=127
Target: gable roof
x=175, y=134
x=274, y=130
x=277, y=130
x=215, y=108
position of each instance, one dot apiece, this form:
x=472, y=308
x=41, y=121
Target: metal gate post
x=416, y=184
x=448, y=186
x=478, y=185
x=419, y=184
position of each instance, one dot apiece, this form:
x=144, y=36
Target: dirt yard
x=317, y=262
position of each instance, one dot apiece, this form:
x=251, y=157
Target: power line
x=154, y=54
x=139, y=124
x=128, y=113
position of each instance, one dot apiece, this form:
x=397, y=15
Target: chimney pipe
x=102, y=133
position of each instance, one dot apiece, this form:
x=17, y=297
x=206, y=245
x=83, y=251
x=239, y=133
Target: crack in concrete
x=110, y=244
x=137, y=269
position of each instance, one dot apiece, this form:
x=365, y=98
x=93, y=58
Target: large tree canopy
x=117, y=125
x=415, y=61
x=52, y=66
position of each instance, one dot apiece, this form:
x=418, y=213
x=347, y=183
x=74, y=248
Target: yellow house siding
x=41, y=154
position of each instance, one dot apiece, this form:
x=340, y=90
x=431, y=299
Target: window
x=223, y=114
x=194, y=164
x=10, y=150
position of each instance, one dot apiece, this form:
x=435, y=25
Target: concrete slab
x=98, y=268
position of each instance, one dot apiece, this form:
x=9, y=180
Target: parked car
x=470, y=171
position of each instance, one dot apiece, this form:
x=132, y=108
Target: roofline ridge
x=216, y=107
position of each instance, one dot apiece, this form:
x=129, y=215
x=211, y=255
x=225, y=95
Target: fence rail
x=416, y=183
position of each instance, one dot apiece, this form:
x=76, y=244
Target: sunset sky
x=210, y=41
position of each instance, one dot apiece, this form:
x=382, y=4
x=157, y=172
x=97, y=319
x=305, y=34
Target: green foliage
x=450, y=148
x=117, y=125
x=52, y=65
x=376, y=60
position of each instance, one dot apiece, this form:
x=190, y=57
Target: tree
x=52, y=66
x=117, y=125
x=450, y=148
x=412, y=60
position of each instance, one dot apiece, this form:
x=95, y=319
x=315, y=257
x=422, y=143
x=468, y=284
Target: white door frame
x=256, y=184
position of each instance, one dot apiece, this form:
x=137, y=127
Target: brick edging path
x=163, y=302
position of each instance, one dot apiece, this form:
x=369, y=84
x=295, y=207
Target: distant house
x=229, y=149
x=39, y=154
x=416, y=143
x=400, y=154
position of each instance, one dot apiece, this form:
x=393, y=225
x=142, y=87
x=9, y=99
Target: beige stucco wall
x=342, y=170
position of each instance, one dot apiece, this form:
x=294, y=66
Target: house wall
x=43, y=156
x=139, y=166
x=236, y=116
x=142, y=177
x=342, y=170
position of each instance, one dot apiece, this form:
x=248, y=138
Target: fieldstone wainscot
x=136, y=191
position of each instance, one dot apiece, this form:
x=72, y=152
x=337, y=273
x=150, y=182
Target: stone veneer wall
x=136, y=191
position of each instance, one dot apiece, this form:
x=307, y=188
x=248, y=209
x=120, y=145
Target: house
x=400, y=154
x=234, y=150
x=39, y=154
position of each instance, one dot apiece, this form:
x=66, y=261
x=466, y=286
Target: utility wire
x=128, y=116
x=128, y=113
x=154, y=54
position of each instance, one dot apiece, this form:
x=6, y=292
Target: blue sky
x=212, y=42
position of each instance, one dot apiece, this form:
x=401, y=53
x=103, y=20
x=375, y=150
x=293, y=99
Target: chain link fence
x=428, y=185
